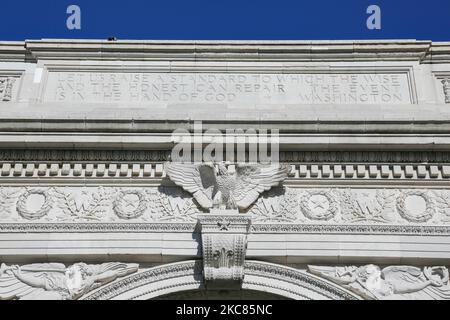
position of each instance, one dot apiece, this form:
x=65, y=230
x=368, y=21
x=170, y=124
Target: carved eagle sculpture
x=213, y=186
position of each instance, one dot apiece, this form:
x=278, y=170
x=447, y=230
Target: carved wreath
x=120, y=210
x=328, y=214
x=34, y=215
x=424, y=216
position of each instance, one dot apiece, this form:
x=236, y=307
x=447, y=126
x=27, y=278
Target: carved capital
x=224, y=245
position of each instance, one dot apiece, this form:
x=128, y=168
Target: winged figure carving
x=390, y=283
x=213, y=186
x=53, y=281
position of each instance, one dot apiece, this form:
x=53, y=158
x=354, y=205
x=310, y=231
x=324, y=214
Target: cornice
x=268, y=50
x=326, y=50
x=13, y=51
x=229, y=50
x=439, y=53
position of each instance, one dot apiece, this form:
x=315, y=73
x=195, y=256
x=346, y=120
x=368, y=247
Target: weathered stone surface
x=86, y=134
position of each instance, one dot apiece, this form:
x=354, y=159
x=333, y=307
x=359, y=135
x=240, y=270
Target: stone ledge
x=363, y=50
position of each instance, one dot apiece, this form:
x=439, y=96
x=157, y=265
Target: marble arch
x=362, y=193
x=187, y=276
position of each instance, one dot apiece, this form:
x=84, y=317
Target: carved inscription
x=229, y=88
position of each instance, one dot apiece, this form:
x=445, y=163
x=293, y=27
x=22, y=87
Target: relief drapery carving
x=55, y=281
x=172, y=204
x=6, y=87
x=392, y=283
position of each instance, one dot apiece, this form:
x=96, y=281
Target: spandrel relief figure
x=390, y=283
x=53, y=281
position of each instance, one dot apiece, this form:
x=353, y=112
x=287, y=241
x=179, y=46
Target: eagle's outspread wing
x=252, y=180
x=197, y=179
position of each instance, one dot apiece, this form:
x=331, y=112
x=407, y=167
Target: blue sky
x=226, y=19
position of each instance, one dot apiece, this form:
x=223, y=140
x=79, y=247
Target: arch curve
x=187, y=276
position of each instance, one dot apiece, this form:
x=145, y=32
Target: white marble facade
x=93, y=207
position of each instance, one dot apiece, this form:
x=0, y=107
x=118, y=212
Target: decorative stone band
x=139, y=156
x=285, y=205
x=156, y=170
x=255, y=228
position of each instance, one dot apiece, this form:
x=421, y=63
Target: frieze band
x=171, y=204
